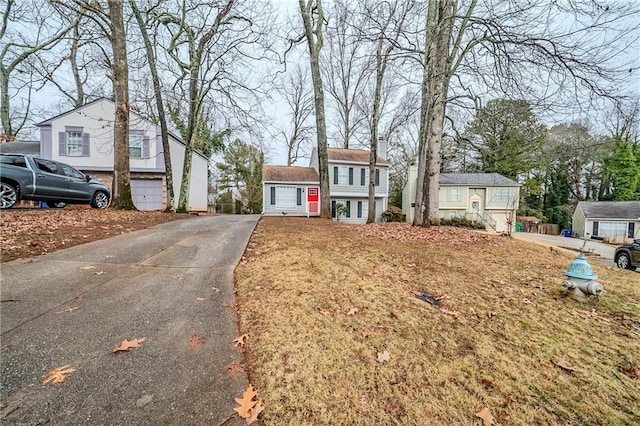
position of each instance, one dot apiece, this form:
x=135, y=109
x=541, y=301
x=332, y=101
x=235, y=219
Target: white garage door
x=147, y=193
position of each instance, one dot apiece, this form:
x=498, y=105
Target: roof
x=351, y=155
x=20, y=147
x=611, y=209
x=480, y=179
x=289, y=174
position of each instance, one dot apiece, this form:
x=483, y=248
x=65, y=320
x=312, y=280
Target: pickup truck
x=27, y=177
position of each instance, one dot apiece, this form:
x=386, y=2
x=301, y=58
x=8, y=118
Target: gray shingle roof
x=20, y=147
x=610, y=209
x=480, y=179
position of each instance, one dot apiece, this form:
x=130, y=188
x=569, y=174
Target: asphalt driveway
x=171, y=284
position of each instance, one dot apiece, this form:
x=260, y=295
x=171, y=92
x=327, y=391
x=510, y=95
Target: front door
x=313, y=196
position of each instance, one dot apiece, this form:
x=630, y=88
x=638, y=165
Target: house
x=83, y=138
x=294, y=190
x=612, y=220
x=487, y=197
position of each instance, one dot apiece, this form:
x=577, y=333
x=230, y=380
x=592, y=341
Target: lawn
x=337, y=336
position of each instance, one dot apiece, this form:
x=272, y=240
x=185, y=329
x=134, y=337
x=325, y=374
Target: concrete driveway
x=171, y=284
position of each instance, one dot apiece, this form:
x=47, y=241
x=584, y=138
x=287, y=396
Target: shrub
x=462, y=222
x=393, y=214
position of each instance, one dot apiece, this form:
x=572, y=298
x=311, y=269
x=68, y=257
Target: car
x=29, y=177
x=628, y=256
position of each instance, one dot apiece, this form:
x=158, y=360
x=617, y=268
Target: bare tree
x=157, y=91
x=299, y=99
x=313, y=20
x=27, y=29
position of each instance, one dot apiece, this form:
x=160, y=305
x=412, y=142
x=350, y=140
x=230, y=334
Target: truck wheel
x=100, y=200
x=624, y=261
x=9, y=195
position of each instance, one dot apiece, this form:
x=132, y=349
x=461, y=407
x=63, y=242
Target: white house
x=83, y=138
x=614, y=220
x=487, y=197
x=296, y=190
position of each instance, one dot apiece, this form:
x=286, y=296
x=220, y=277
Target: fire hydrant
x=581, y=282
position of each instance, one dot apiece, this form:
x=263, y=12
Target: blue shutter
x=333, y=208
x=62, y=144
x=85, y=145
x=273, y=195
x=145, y=147
x=299, y=196
x=362, y=178
x=377, y=177
x=350, y=175
x=348, y=208
x=335, y=175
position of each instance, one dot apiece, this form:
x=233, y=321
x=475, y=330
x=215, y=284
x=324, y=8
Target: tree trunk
x=194, y=114
x=164, y=131
x=7, y=131
x=318, y=91
x=121, y=192
x=73, y=59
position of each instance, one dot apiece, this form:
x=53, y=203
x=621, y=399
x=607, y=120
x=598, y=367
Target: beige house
x=615, y=221
x=487, y=197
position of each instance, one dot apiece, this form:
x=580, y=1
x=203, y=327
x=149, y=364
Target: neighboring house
x=83, y=138
x=20, y=147
x=487, y=197
x=293, y=190
x=614, y=220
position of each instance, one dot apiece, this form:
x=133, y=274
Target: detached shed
x=614, y=221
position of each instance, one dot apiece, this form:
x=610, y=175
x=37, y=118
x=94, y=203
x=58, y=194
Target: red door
x=312, y=200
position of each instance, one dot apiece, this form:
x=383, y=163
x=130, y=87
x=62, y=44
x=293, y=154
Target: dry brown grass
x=313, y=363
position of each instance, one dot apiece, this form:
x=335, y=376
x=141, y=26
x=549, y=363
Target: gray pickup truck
x=26, y=177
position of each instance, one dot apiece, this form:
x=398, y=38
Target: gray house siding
x=271, y=207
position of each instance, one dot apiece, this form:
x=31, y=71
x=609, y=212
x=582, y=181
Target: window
x=377, y=177
x=74, y=143
x=335, y=175
x=299, y=196
x=135, y=144
x=348, y=208
x=46, y=165
x=71, y=172
x=454, y=194
x=362, y=177
x=286, y=197
x=344, y=175
x=359, y=208
x=350, y=175
x=273, y=196
x=14, y=160
x=611, y=229
x=502, y=194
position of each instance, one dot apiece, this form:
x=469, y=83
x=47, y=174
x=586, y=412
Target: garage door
x=147, y=193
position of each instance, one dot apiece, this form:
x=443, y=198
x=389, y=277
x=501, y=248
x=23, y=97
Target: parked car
x=27, y=177
x=628, y=255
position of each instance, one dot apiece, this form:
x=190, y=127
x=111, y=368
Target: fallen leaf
x=196, y=340
x=323, y=311
x=564, y=366
x=99, y=273
x=366, y=334
x=240, y=340
x=487, y=382
x=485, y=415
x=452, y=313
x=109, y=256
x=491, y=314
x=200, y=299
x=527, y=301
x=631, y=371
x=352, y=311
x=128, y=344
x=215, y=289
x=79, y=298
x=89, y=267
x=58, y=375
x=246, y=402
x=73, y=308
x=383, y=356
x=234, y=368
x=255, y=411
x=421, y=341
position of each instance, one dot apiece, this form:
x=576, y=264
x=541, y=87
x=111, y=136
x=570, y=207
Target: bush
x=462, y=222
x=394, y=214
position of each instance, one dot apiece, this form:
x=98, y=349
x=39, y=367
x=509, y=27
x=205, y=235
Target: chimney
x=383, y=149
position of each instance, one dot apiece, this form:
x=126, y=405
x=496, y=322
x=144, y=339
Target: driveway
x=171, y=285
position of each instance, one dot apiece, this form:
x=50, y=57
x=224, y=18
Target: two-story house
x=295, y=190
x=487, y=197
x=83, y=138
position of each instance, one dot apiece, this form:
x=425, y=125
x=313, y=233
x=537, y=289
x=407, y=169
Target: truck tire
x=100, y=200
x=8, y=194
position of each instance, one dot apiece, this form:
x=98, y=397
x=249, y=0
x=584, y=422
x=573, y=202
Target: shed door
x=312, y=200
x=147, y=193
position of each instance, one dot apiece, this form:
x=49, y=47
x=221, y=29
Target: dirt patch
x=321, y=301
x=28, y=232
